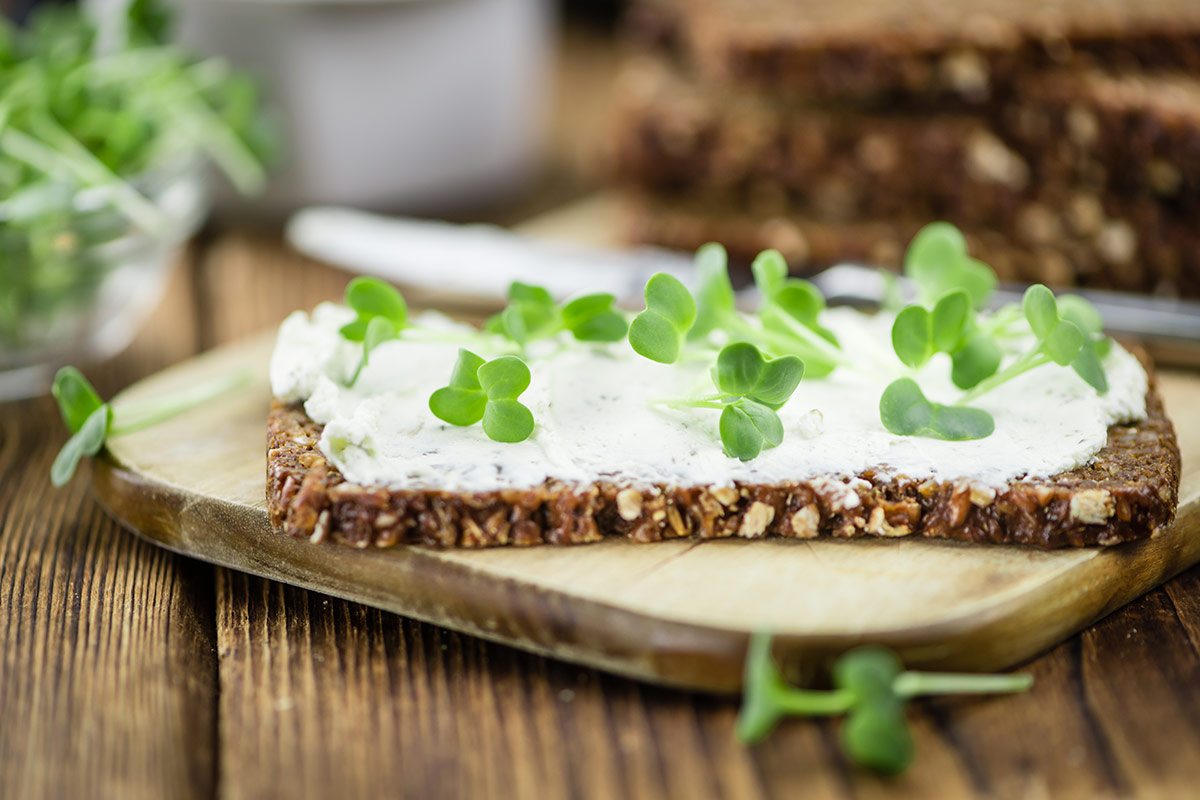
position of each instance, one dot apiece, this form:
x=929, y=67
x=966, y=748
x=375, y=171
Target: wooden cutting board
x=674, y=612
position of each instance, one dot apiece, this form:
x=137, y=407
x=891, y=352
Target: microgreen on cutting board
x=91, y=421
x=870, y=687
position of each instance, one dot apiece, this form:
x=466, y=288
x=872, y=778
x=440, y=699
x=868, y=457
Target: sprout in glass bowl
x=104, y=146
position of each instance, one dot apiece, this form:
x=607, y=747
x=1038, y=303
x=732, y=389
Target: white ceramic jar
x=404, y=105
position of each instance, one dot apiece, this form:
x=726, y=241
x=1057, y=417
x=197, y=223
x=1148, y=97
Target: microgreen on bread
x=786, y=323
x=91, y=421
x=871, y=688
x=951, y=285
x=532, y=313
x=486, y=391
x=905, y=411
x=750, y=388
x=381, y=315
x=938, y=262
x=659, y=332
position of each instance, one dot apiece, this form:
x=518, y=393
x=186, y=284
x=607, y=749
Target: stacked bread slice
x=1063, y=136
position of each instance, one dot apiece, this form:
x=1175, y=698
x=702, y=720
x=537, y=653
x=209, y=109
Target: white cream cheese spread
x=595, y=419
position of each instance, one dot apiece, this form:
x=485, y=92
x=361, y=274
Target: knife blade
x=478, y=262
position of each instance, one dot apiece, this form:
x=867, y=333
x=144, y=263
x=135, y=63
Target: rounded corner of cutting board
x=678, y=613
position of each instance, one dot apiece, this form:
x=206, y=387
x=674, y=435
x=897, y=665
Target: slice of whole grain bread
x=1128, y=491
x=919, y=48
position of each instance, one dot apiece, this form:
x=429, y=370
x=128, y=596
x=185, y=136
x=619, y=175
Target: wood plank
x=107, y=670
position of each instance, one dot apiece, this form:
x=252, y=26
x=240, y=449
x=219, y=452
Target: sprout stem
x=134, y=416
x=1033, y=358
x=915, y=684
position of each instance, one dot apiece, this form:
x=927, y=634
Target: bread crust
x=1129, y=491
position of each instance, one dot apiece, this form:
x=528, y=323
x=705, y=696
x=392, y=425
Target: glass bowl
x=78, y=285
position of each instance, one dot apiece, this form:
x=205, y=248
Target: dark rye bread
x=872, y=48
x=1104, y=170
x=672, y=134
x=1137, y=134
x=1074, y=243
x=1128, y=492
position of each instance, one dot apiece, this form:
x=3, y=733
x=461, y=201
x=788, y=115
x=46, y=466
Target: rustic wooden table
x=127, y=671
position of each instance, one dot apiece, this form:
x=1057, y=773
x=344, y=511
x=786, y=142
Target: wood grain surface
x=128, y=672
x=677, y=612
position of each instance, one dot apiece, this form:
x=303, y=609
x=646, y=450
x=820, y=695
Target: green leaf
x=512, y=324
x=739, y=434
x=714, y=297
x=868, y=672
x=1087, y=366
x=379, y=330
x=607, y=326
x=77, y=399
x=770, y=271
x=978, y=358
x=464, y=375
x=656, y=337
x=739, y=367
x=519, y=292
x=905, y=411
x=581, y=309
x=591, y=318
x=1040, y=309
x=938, y=262
x=86, y=441
x=878, y=738
x=506, y=420
x=1063, y=343
x=742, y=371
x=948, y=320
x=458, y=406
x=765, y=420
x=670, y=298
x=912, y=336
x=959, y=423
x=778, y=381
x=801, y=300
x=747, y=427
x=371, y=297
x=1076, y=309
x=762, y=686
x=354, y=331
x=503, y=378
x=903, y=408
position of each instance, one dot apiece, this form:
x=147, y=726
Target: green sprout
x=905, y=411
x=951, y=285
x=1058, y=340
x=659, y=332
x=531, y=314
x=486, y=391
x=381, y=315
x=871, y=688
x=91, y=421
x=750, y=388
x=787, y=318
x=937, y=261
